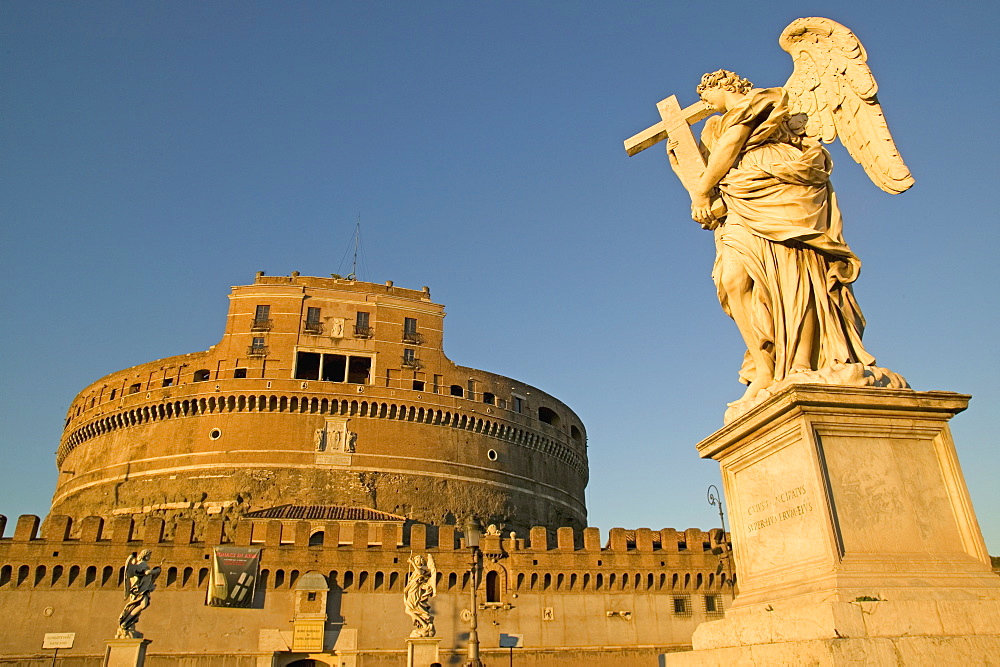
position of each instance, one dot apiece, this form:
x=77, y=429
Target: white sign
x=511, y=641
x=58, y=640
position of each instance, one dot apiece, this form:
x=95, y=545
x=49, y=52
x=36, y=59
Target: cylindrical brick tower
x=323, y=391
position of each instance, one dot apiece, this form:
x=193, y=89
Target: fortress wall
x=563, y=593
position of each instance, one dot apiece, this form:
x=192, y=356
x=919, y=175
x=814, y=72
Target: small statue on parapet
x=140, y=582
x=421, y=586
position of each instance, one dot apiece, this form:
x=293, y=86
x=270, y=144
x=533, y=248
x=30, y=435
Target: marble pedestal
x=853, y=533
x=422, y=651
x=126, y=652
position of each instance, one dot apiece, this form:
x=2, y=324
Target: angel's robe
x=784, y=230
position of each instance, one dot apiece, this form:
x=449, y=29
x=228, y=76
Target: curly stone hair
x=723, y=78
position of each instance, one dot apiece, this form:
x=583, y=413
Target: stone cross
x=676, y=123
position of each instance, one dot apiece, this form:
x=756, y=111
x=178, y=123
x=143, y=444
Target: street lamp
x=715, y=499
x=472, y=534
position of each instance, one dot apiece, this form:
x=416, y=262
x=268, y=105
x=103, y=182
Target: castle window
x=712, y=604
x=202, y=375
x=316, y=539
x=518, y=404
x=312, y=321
x=135, y=388
x=410, y=358
x=575, y=433
x=334, y=367
x=240, y=373
x=168, y=382
x=410, y=334
x=257, y=347
x=548, y=416
x=358, y=370
x=418, y=385
x=489, y=398
x=456, y=390
x=113, y=393
x=361, y=325
x=307, y=366
x=261, y=318
x=493, y=586
x=681, y=606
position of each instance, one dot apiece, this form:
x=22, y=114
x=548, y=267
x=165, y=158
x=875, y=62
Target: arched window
x=202, y=375
x=493, y=586
x=456, y=390
x=316, y=539
x=548, y=416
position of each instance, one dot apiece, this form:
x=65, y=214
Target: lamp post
x=472, y=534
x=715, y=499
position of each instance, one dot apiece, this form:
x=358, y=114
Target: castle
x=328, y=434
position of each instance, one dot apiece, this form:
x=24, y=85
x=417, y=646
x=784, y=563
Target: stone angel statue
x=783, y=271
x=140, y=581
x=421, y=586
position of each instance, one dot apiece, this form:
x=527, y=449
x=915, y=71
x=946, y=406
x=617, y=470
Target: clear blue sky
x=155, y=153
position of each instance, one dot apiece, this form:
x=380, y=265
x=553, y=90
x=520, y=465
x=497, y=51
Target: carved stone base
x=126, y=652
x=422, y=651
x=854, y=536
x=843, y=375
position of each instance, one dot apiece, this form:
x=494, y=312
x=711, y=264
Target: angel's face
x=715, y=98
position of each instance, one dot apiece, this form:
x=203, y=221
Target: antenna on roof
x=353, y=275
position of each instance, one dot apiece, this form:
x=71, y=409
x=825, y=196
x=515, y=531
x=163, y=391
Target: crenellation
x=152, y=530
x=538, y=538
x=183, y=531
x=122, y=529
x=565, y=538
x=301, y=531
x=446, y=537
x=360, y=537
x=272, y=529
x=696, y=539
x=618, y=540
x=643, y=539
x=670, y=540
x=390, y=536
x=56, y=528
x=27, y=528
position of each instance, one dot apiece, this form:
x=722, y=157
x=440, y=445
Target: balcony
x=257, y=351
x=363, y=332
x=411, y=362
x=413, y=337
x=261, y=325
x=315, y=328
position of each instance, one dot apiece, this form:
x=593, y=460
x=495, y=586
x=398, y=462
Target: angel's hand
x=701, y=209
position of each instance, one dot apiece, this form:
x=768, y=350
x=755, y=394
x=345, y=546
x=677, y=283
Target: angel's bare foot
x=755, y=387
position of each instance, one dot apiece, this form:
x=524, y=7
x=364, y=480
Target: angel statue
x=420, y=587
x=140, y=581
x=782, y=270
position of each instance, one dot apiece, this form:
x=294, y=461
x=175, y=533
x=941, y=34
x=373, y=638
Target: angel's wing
x=832, y=85
x=434, y=575
x=127, y=580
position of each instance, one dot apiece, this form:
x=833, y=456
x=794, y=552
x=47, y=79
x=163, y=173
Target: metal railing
x=257, y=351
x=411, y=362
x=313, y=327
x=413, y=337
x=261, y=325
x=363, y=332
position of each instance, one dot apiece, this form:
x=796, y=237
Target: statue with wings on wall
x=783, y=271
x=421, y=586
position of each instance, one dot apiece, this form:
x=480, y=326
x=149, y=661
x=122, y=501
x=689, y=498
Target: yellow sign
x=308, y=635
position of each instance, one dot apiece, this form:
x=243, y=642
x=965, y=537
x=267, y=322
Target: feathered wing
x=434, y=575
x=832, y=85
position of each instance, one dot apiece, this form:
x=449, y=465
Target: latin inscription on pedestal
x=775, y=504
